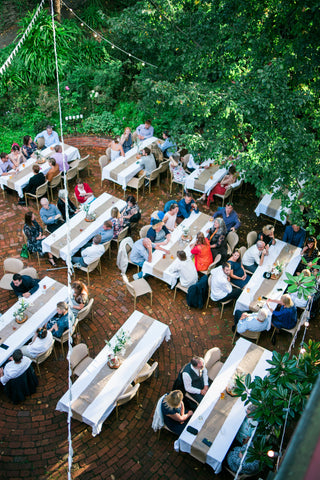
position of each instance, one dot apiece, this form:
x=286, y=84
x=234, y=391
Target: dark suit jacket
x=28, y=284
x=34, y=183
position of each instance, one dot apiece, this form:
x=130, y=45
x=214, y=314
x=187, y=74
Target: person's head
x=79, y=182
x=4, y=156
x=174, y=399
x=27, y=140
x=165, y=134
x=226, y=268
x=236, y=256
x=107, y=225
x=42, y=332
x=188, y=197
x=268, y=230
x=63, y=194
x=131, y=201
x=78, y=287
x=197, y=362
x=262, y=314
x=311, y=243
x=174, y=208
x=200, y=239
x=96, y=239
x=44, y=202
x=147, y=124
x=52, y=162
x=146, y=151
x=35, y=168
x=156, y=224
x=17, y=356
x=58, y=149
x=286, y=301
x=219, y=223
x=229, y=208
x=261, y=245
x=49, y=129
x=28, y=218
x=17, y=279
x=15, y=148
x=232, y=170
x=296, y=228
x=115, y=212
x=62, y=308
x=182, y=255
x=147, y=242
x=306, y=272
x=127, y=130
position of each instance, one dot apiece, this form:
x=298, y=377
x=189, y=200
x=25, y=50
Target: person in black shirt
x=23, y=285
x=34, y=182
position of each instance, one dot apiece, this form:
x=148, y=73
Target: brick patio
x=34, y=435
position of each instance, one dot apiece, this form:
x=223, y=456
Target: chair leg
x=38, y=258
x=134, y=302
x=38, y=368
x=26, y=199
x=151, y=298
x=62, y=349
x=88, y=279
x=175, y=293
x=117, y=412
x=222, y=307
x=55, y=353
x=274, y=331
x=234, y=336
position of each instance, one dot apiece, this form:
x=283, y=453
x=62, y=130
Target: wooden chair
x=218, y=301
x=247, y=334
x=176, y=182
x=127, y=396
x=228, y=193
x=180, y=287
x=154, y=176
x=123, y=234
x=144, y=230
x=65, y=336
x=86, y=311
x=55, y=182
x=137, y=288
x=43, y=356
x=103, y=161
x=89, y=268
x=40, y=192
x=212, y=362
x=146, y=372
x=232, y=240
x=79, y=359
x=107, y=248
x=136, y=183
x=83, y=164
x=10, y=267
x=72, y=173
x=251, y=238
x=26, y=241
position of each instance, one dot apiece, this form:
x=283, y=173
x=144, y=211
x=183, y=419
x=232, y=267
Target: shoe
x=77, y=265
x=136, y=276
x=52, y=262
x=21, y=202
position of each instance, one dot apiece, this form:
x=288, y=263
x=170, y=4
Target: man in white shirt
x=41, y=342
x=254, y=322
x=90, y=254
x=185, y=269
x=195, y=378
x=49, y=135
x=145, y=130
x=221, y=288
x=254, y=256
x=17, y=366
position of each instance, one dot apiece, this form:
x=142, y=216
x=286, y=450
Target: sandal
x=52, y=262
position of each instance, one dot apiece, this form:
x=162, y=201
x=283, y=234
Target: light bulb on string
x=306, y=323
x=302, y=350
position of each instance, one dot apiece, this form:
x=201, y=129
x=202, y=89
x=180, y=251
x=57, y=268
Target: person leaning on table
x=60, y=322
x=254, y=256
x=17, y=365
x=24, y=285
x=172, y=409
x=90, y=254
x=41, y=342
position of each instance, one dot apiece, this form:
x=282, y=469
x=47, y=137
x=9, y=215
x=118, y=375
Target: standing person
x=41, y=342
x=184, y=269
x=170, y=218
x=186, y=206
x=295, y=235
x=83, y=192
x=17, y=365
x=173, y=411
x=33, y=232
x=145, y=130
x=50, y=215
x=15, y=155
x=80, y=297
x=61, y=159
x=229, y=216
x=116, y=149
x=62, y=205
x=254, y=256
x=28, y=147
x=221, y=288
x=49, y=135
x=195, y=378
x=202, y=253
x=168, y=147
x=35, y=181
x=126, y=140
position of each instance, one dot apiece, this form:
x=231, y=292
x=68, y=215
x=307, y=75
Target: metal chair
x=43, y=356
x=103, y=161
x=146, y=372
x=79, y=359
x=123, y=234
x=127, y=396
x=40, y=192
x=26, y=241
x=136, y=183
x=53, y=184
x=137, y=288
x=232, y=240
x=10, y=267
x=83, y=164
x=89, y=268
x=251, y=238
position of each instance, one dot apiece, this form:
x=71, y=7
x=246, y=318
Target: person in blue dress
x=238, y=275
x=285, y=317
x=126, y=140
x=172, y=409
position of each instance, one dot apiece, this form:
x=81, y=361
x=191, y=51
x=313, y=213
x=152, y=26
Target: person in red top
x=83, y=192
x=202, y=253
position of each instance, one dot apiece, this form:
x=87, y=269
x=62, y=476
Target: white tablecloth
x=167, y=276
x=224, y=439
x=71, y=152
x=19, y=184
x=105, y=401
x=88, y=233
x=243, y=302
x=211, y=183
x=20, y=336
x=262, y=209
x=128, y=172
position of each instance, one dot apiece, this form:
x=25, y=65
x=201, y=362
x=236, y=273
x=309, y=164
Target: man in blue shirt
x=50, y=215
x=49, y=135
x=229, y=216
x=24, y=285
x=168, y=147
x=60, y=322
x=5, y=164
x=186, y=206
x=141, y=252
x=145, y=130
x=295, y=235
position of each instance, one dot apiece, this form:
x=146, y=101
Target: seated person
x=126, y=140
x=221, y=288
x=5, y=164
x=286, y=317
x=41, y=342
x=116, y=149
x=50, y=215
x=117, y=221
x=202, y=252
x=17, y=365
x=80, y=297
x=131, y=213
x=229, y=216
x=90, y=254
x=145, y=130
x=158, y=233
x=222, y=186
x=301, y=302
x=177, y=171
x=141, y=252
x=62, y=205
x=35, y=181
x=168, y=205
x=254, y=322
x=254, y=256
x=186, y=206
x=309, y=253
x=23, y=285
x=295, y=235
x=28, y=147
x=217, y=238
x=49, y=135
x=168, y=147
x=15, y=155
x=247, y=426
x=237, y=274
x=195, y=378
x=106, y=232
x=234, y=458
x=267, y=235
x=184, y=269
x=148, y=162
x=170, y=218
x=60, y=322
x=83, y=192
x=172, y=409
x=61, y=159
x=191, y=164
x=54, y=170
x=34, y=234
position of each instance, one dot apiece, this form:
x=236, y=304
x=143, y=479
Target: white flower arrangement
x=22, y=306
x=122, y=340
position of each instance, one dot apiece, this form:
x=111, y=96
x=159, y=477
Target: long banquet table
x=80, y=230
x=271, y=207
x=42, y=307
x=71, y=152
x=95, y=392
x=16, y=181
x=203, y=180
x=219, y=416
x=123, y=169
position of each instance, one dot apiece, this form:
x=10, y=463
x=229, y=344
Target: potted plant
x=20, y=315
x=122, y=339
x=90, y=217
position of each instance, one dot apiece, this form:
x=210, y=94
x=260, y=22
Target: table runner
x=17, y=176
x=161, y=265
x=101, y=379
x=200, y=182
x=222, y=408
x=6, y=331
x=118, y=169
x=267, y=285
x=273, y=207
x=76, y=230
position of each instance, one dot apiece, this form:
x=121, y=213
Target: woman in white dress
x=116, y=149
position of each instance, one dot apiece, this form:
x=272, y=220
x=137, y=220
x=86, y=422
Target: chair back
x=40, y=143
x=72, y=173
x=122, y=234
x=155, y=174
x=106, y=246
x=141, y=181
x=129, y=286
x=108, y=154
x=12, y=265
x=143, y=231
x=43, y=356
x=185, y=160
x=103, y=161
x=83, y=163
x=32, y=272
x=215, y=261
x=93, y=265
x=232, y=240
x=251, y=238
x=164, y=166
x=79, y=352
x=128, y=394
x=242, y=251
x=85, y=312
x=146, y=372
x=55, y=181
x=42, y=190
x=211, y=357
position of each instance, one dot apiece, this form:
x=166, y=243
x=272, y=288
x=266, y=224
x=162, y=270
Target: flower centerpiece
x=239, y=376
x=20, y=315
x=90, y=217
x=276, y=270
x=122, y=339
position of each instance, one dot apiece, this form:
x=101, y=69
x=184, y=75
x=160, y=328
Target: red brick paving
x=34, y=435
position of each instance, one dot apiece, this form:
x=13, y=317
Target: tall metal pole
x=57, y=10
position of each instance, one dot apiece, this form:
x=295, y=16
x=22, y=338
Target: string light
x=82, y=22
